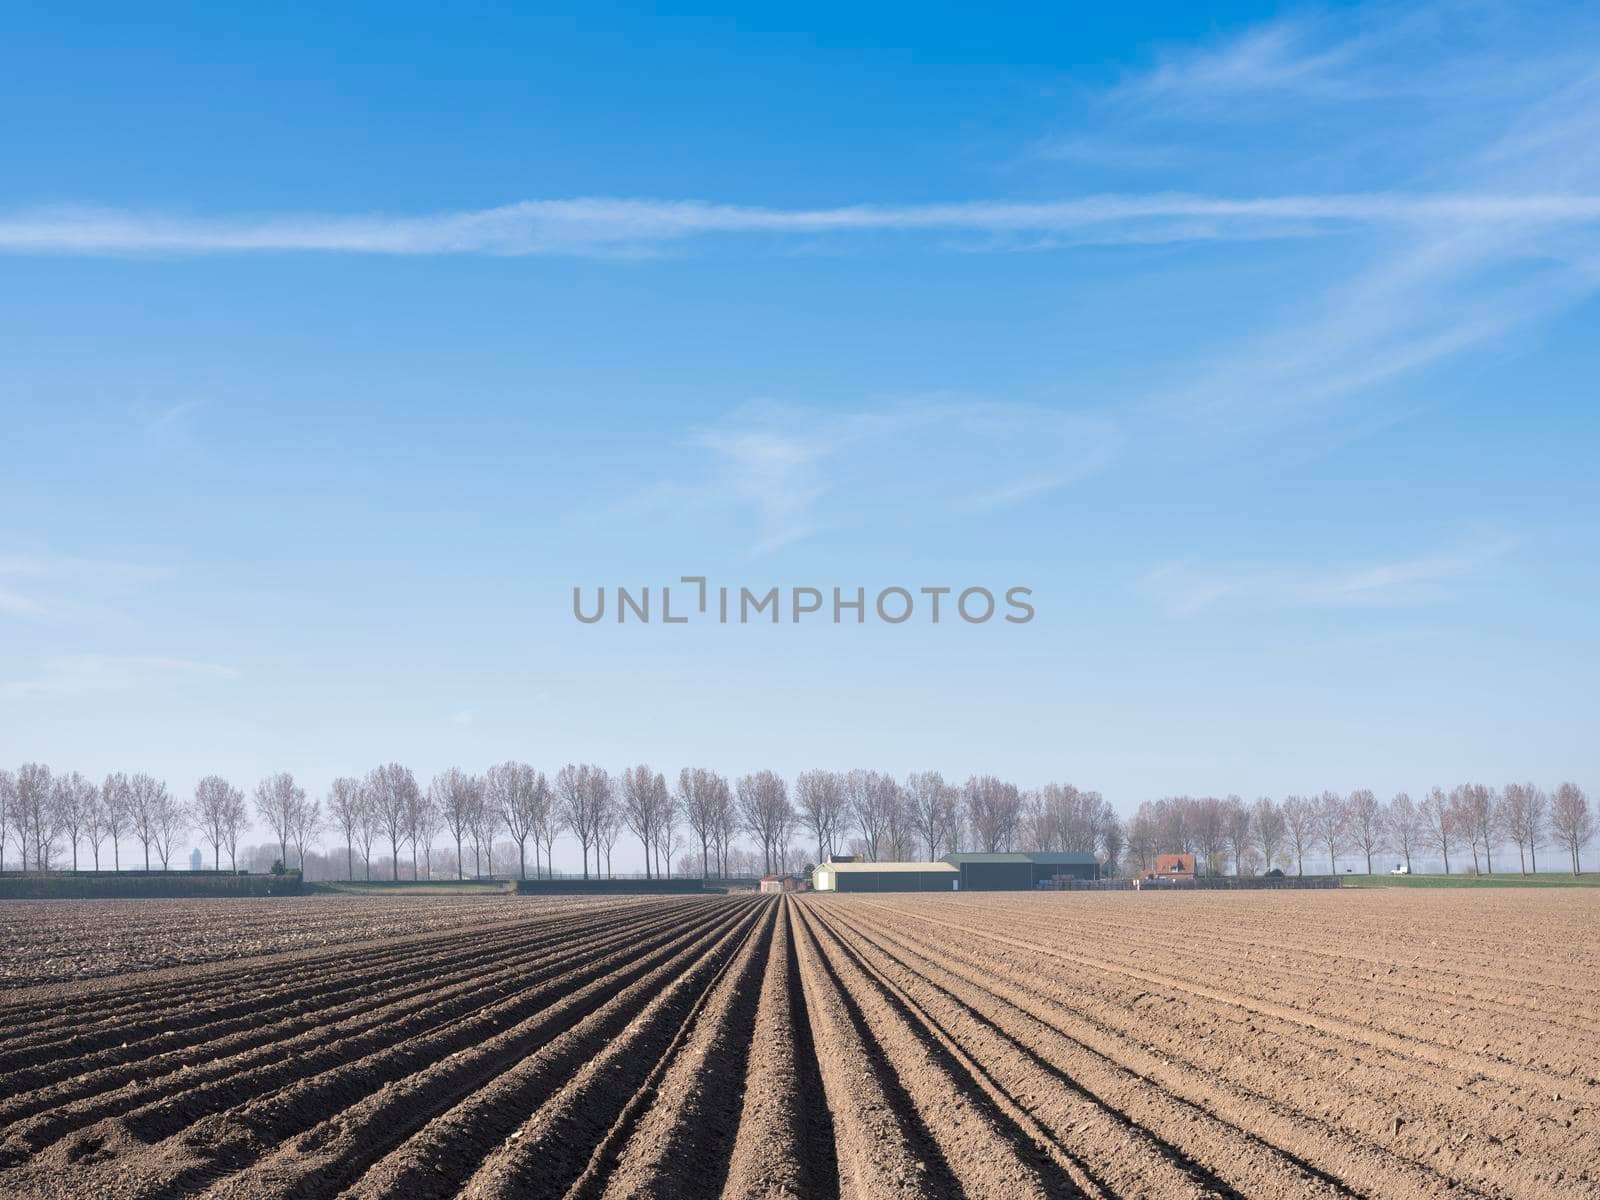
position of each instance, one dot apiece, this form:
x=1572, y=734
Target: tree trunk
x=522, y=859
x=461, y=865
x=147, y=858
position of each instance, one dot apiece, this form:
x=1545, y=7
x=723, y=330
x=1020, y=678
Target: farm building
x=886, y=877
x=1020, y=871
x=779, y=883
x=1175, y=868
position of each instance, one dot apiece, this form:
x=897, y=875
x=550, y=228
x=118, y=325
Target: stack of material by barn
x=1020, y=871
x=886, y=877
x=779, y=883
x=1173, y=868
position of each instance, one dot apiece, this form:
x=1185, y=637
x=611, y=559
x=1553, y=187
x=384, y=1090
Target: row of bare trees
x=1472, y=818
x=49, y=818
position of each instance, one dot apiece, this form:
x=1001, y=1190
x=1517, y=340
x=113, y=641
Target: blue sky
x=334, y=351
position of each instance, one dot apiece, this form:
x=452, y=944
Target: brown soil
x=1371, y=1044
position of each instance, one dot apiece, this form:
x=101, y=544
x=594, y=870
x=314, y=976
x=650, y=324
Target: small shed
x=779, y=883
x=886, y=877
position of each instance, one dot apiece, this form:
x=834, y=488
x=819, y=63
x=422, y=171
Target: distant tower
x=194, y=859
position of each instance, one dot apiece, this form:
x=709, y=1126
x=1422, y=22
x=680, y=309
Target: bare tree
x=1406, y=827
x=8, y=804
x=993, y=809
x=277, y=800
x=1473, y=807
x=73, y=798
x=609, y=827
x=1209, y=825
x=1300, y=818
x=392, y=789
x=863, y=801
x=94, y=824
x=725, y=817
x=346, y=804
x=307, y=826
x=1239, y=828
x=1332, y=820
x=547, y=824
x=367, y=829
x=455, y=794
x=483, y=822
x=584, y=799
x=146, y=796
x=764, y=809
x=212, y=810
x=423, y=819
x=898, y=831
x=1113, y=837
x=666, y=823
x=1365, y=815
x=694, y=801
x=1438, y=823
x=168, y=824
x=819, y=799
x=639, y=807
x=35, y=804
x=1269, y=827
x=1516, y=809
x=1143, y=837
x=931, y=803
x=114, y=804
x=508, y=792
x=1572, y=820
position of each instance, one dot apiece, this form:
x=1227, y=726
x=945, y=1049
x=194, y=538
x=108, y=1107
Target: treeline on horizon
x=1471, y=818
x=50, y=817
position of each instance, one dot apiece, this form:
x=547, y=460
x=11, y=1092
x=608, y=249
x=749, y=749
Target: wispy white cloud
x=798, y=470
x=90, y=674
x=600, y=225
x=1182, y=589
x=48, y=587
x=1452, y=106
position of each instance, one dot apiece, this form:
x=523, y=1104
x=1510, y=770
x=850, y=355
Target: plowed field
x=1372, y=1044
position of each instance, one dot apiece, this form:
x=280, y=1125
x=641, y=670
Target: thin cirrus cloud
x=1458, y=111
x=78, y=675
x=609, y=226
x=52, y=587
x=1182, y=590
x=796, y=471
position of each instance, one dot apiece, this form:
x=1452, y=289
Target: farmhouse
x=1020, y=871
x=1174, y=868
x=779, y=883
x=886, y=877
